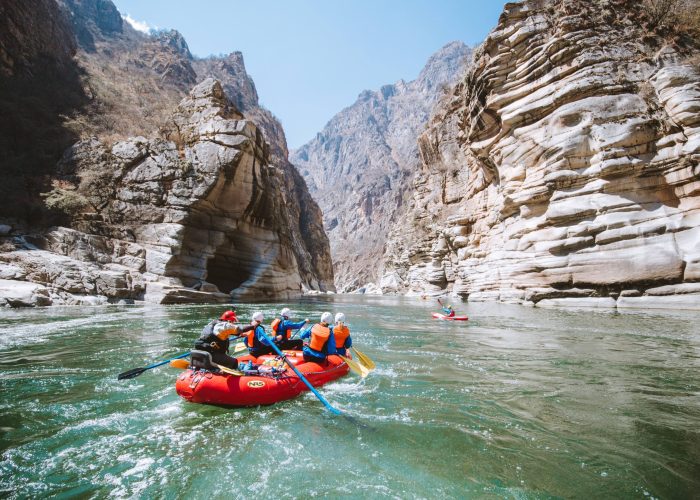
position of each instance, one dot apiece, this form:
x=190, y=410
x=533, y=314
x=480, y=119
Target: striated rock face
x=199, y=215
x=563, y=169
x=360, y=166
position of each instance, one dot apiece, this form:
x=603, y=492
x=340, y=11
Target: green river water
x=515, y=403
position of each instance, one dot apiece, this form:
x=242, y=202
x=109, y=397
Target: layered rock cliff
x=564, y=168
x=359, y=167
x=161, y=207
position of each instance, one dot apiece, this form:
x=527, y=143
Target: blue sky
x=311, y=58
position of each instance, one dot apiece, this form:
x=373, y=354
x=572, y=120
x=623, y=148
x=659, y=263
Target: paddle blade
x=131, y=373
x=356, y=367
x=239, y=347
x=364, y=359
x=182, y=364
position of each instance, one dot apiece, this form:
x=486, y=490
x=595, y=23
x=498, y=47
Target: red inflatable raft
x=201, y=386
x=449, y=318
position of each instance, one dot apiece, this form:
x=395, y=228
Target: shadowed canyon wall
x=563, y=168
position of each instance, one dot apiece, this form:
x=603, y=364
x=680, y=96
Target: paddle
x=361, y=370
x=303, y=379
x=302, y=331
x=138, y=371
x=364, y=359
x=182, y=364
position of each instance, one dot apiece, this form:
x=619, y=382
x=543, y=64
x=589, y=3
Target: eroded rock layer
x=199, y=215
x=563, y=169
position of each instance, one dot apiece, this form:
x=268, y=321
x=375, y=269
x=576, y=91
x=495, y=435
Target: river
x=515, y=403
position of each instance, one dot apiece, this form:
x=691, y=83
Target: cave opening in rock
x=231, y=265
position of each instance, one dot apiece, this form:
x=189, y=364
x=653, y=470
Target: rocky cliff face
x=197, y=205
x=199, y=215
x=563, y=169
x=360, y=166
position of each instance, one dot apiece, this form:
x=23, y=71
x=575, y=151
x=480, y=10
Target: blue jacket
x=259, y=337
x=286, y=324
x=328, y=348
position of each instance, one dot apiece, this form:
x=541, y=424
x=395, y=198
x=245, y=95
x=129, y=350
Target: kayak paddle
x=135, y=372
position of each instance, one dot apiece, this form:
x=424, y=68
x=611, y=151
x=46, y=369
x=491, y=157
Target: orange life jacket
x=253, y=341
x=319, y=337
x=275, y=324
x=341, y=334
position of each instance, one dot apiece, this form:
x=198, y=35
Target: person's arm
x=331, y=349
x=260, y=332
x=348, y=342
x=245, y=329
x=305, y=335
x=295, y=326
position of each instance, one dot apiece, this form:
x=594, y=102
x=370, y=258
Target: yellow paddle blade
x=230, y=371
x=364, y=359
x=239, y=347
x=182, y=364
x=356, y=367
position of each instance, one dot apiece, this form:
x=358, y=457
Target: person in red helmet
x=216, y=338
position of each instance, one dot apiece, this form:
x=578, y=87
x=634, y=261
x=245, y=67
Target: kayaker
x=216, y=337
x=449, y=312
x=321, y=340
x=257, y=341
x=343, y=341
x=283, y=326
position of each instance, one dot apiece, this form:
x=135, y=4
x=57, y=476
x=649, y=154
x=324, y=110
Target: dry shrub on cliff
x=675, y=15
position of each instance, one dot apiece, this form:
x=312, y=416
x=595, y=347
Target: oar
x=302, y=377
x=355, y=366
x=138, y=371
x=301, y=331
x=240, y=347
x=228, y=370
x=364, y=359
x=184, y=365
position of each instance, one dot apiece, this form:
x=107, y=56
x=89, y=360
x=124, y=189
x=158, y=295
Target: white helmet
x=340, y=318
x=285, y=312
x=326, y=318
x=258, y=316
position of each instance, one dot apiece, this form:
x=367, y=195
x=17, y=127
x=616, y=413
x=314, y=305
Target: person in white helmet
x=282, y=328
x=341, y=332
x=321, y=340
x=256, y=341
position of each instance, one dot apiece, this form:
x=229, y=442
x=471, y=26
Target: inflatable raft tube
x=448, y=318
x=266, y=388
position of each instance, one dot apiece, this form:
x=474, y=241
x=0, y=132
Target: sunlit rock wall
x=563, y=169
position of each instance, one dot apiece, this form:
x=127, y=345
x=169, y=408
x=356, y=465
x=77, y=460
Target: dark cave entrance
x=232, y=264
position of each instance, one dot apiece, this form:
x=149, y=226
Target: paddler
x=216, y=337
x=282, y=328
x=341, y=332
x=449, y=312
x=321, y=340
x=257, y=341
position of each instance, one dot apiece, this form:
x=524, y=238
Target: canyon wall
x=196, y=205
x=563, y=168
x=360, y=166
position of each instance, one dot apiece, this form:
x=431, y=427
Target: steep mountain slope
x=360, y=165
x=131, y=84
x=564, y=168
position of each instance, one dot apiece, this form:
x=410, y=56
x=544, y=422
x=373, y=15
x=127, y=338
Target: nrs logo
x=256, y=383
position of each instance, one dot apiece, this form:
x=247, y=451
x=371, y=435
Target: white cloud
x=141, y=26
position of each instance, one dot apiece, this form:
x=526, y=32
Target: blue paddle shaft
x=167, y=361
x=303, y=379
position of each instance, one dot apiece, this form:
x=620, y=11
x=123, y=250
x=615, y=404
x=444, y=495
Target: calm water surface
x=515, y=403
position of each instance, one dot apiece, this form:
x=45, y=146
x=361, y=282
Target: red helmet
x=229, y=316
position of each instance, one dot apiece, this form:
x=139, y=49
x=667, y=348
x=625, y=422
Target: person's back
x=321, y=340
x=216, y=338
x=257, y=341
x=341, y=332
x=448, y=311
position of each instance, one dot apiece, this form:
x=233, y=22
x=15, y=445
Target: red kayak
x=449, y=318
x=270, y=385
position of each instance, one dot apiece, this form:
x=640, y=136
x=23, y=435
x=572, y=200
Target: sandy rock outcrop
x=197, y=216
x=360, y=166
x=563, y=169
